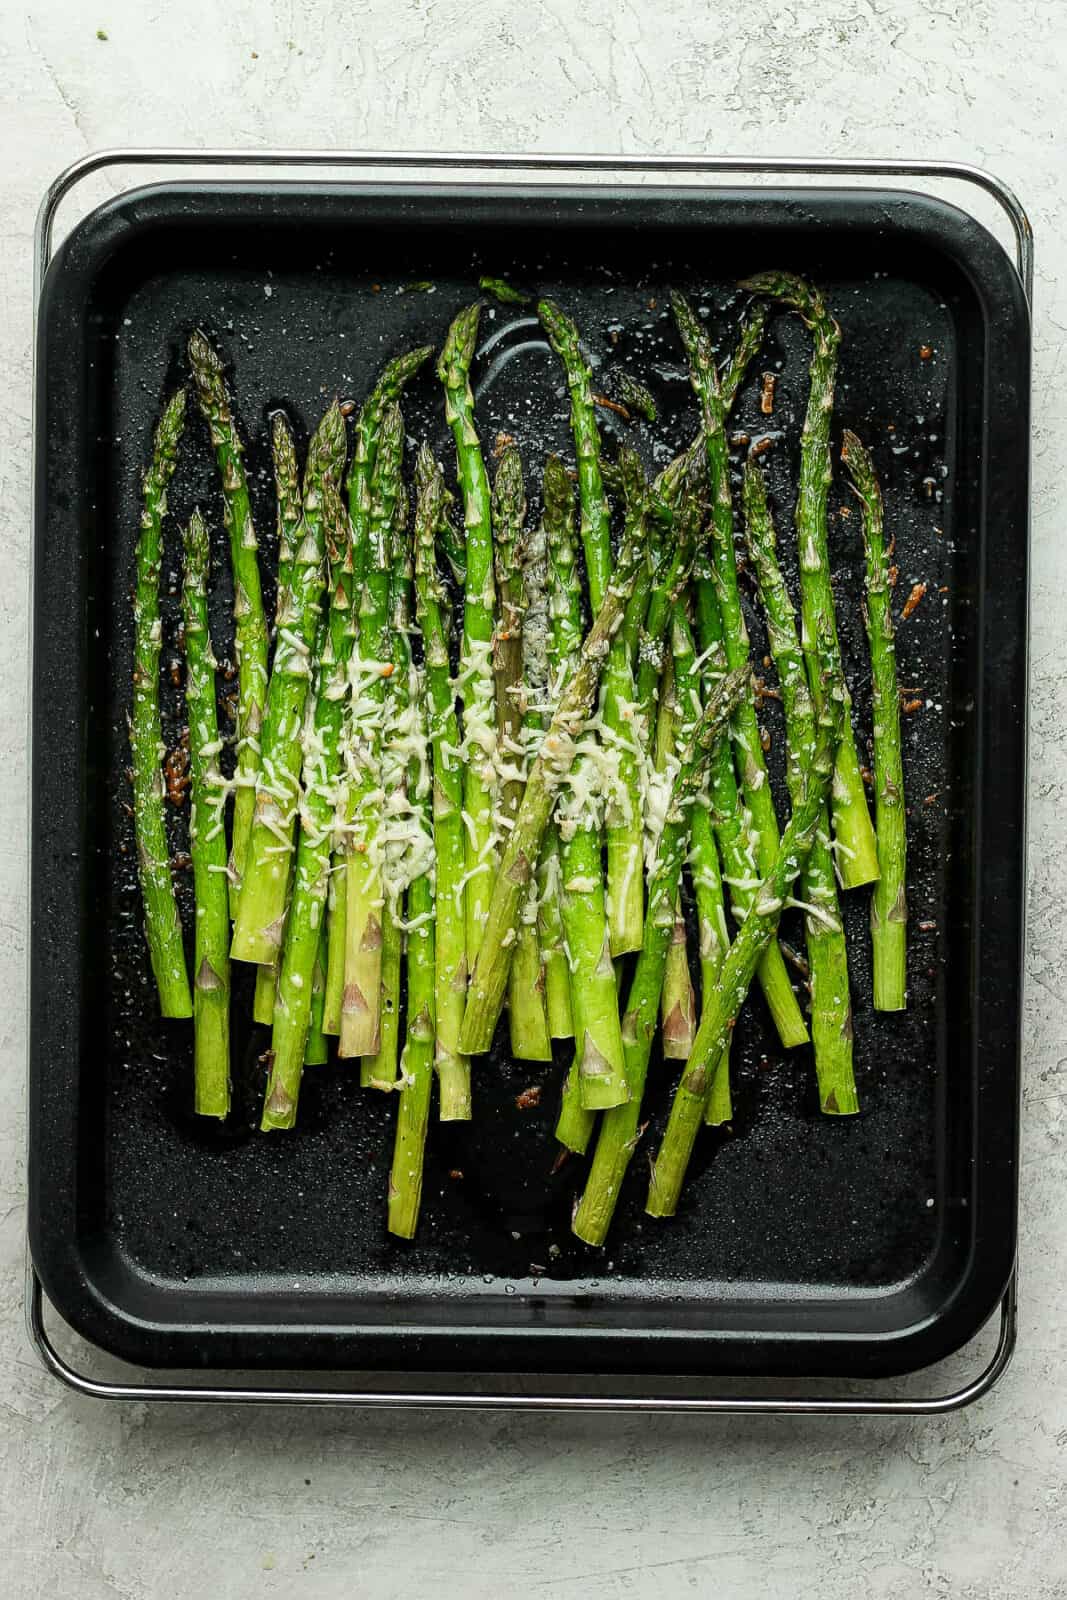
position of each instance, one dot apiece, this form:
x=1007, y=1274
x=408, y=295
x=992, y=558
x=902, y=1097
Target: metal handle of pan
x=545, y=165
x=456, y=1399
x=300, y=1393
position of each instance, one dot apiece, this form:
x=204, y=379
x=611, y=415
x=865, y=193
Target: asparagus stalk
x=548, y=772
x=856, y=848
x=162, y=926
x=361, y=1003
x=379, y=1070
x=316, y=1049
x=524, y=682
x=290, y=509
x=207, y=841
x=386, y=392
x=260, y=924
x=735, y=837
x=417, y=1064
x=619, y=1127
x=754, y=780
x=508, y=514
x=678, y=1004
x=714, y=939
x=564, y=647
x=479, y=598
x=757, y=930
x=731, y=376
x=450, y=952
x=831, y=1011
x=392, y=382
x=265, y=993
x=250, y=623
x=623, y=819
x=322, y=768
x=624, y=903
x=290, y=527
x=889, y=903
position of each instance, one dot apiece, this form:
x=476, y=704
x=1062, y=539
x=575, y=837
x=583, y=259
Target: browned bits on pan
x=930, y=799
x=868, y=776
x=652, y=303
x=925, y=351
x=529, y=1098
x=759, y=446
x=174, y=672
x=182, y=861
x=911, y=705
x=929, y=926
x=918, y=590
x=375, y=288
x=894, y=574
x=943, y=589
x=455, y=1173
x=768, y=383
x=614, y=335
x=607, y=404
x=501, y=443
x=348, y=408
x=738, y=441
x=845, y=512
x=765, y=739
x=176, y=771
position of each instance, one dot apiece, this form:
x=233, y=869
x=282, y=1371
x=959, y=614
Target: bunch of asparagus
x=414, y=844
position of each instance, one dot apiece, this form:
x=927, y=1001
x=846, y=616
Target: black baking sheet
x=803, y=1243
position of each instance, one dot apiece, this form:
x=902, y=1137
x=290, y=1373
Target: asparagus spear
x=501, y=290
x=260, y=924
x=207, y=841
x=378, y=1070
x=754, y=780
x=322, y=769
x=703, y=852
x=731, y=377
x=479, y=598
x=678, y=1003
x=290, y=527
x=889, y=903
x=250, y=622
x=386, y=392
x=831, y=1011
x=265, y=993
x=548, y=772
x=620, y=732
x=360, y=1010
x=564, y=647
x=856, y=849
x=619, y=1127
x=316, y=1049
x=624, y=901
x=162, y=926
x=416, y=1067
x=450, y=952
x=717, y=1023
x=508, y=514
x=734, y=834
x=634, y=394
x=290, y=511
x=521, y=685
x=598, y=1062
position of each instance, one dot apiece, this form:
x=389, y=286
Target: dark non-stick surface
x=790, y=1221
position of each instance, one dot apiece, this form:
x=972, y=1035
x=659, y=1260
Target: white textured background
x=132, y=1502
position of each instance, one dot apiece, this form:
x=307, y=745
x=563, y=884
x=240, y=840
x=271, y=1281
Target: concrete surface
x=132, y=1502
